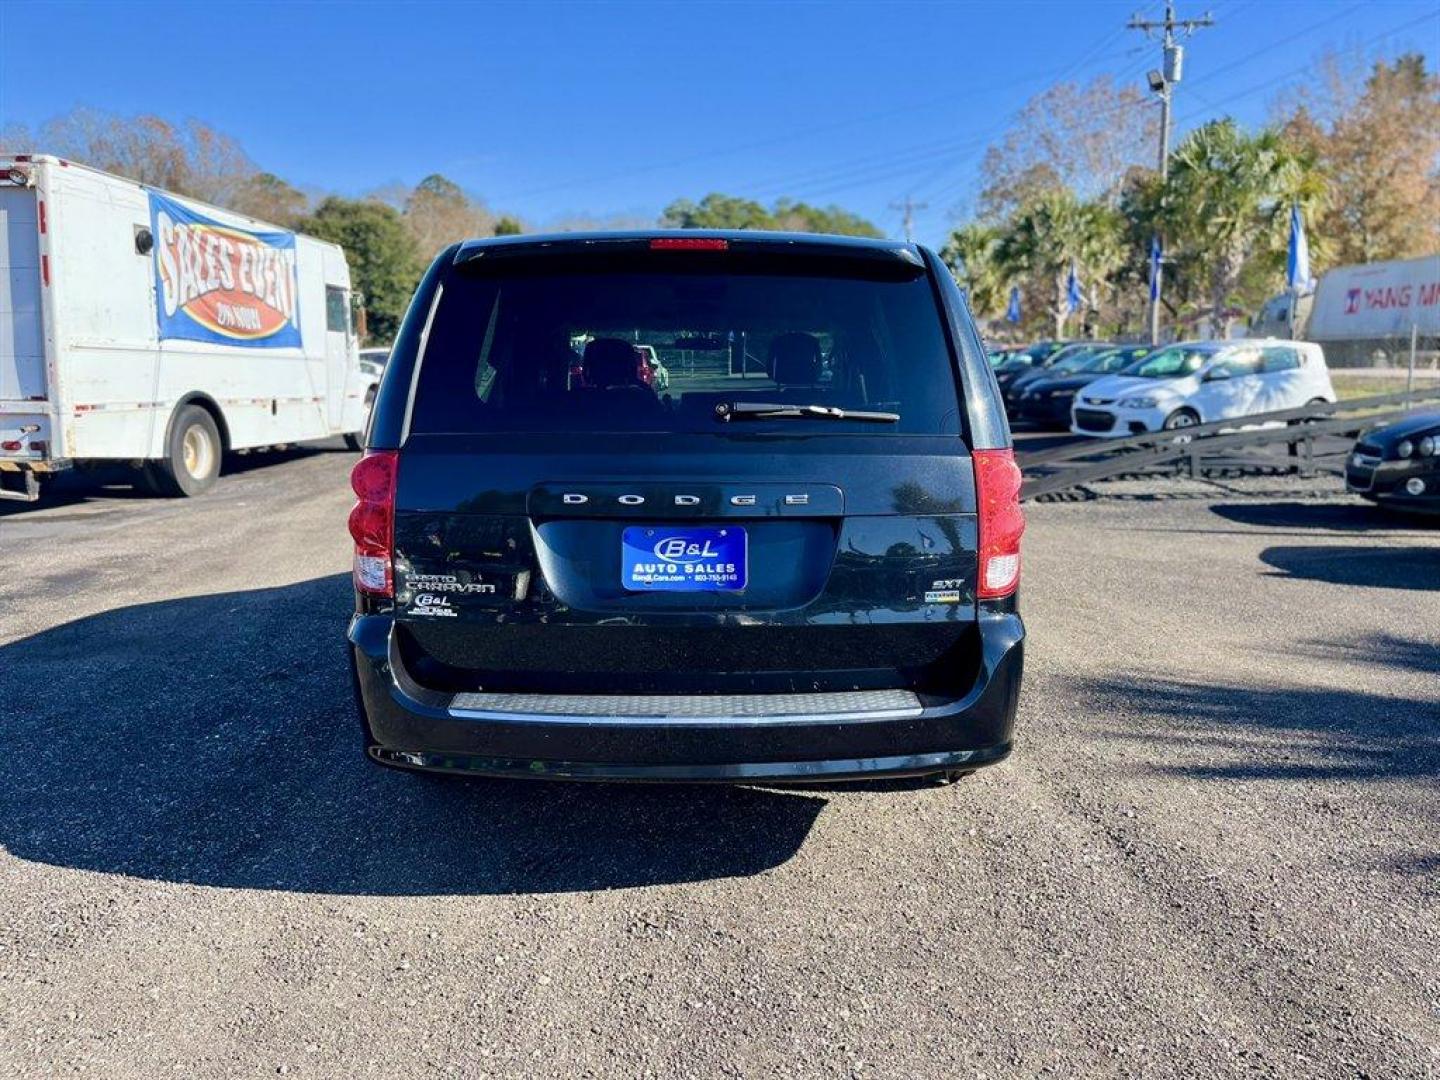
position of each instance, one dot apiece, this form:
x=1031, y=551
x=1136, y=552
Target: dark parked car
x=1040, y=355
x=998, y=357
x=753, y=576
x=1048, y=398
x=1399, y=465
x=1070, y=358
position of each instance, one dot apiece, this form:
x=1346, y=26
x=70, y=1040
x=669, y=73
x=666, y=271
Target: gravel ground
x=1215, y=851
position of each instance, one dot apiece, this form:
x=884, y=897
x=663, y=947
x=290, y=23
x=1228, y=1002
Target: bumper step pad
x=672, y=709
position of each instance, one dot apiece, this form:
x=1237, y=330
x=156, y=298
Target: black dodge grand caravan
x=687, y=506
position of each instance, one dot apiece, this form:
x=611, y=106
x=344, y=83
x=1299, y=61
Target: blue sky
x=552, y=110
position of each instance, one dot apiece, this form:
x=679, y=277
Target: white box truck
x=137, y=326
x=1364, y=315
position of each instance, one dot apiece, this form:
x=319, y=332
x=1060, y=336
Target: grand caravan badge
x=221, y=283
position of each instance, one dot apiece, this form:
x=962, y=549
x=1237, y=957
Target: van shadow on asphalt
x=212, y=740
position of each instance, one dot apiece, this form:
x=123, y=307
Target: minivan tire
x=191, y=463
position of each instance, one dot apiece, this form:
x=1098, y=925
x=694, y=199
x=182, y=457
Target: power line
x=1289, y=36
x=1260, y=87
x=1303, y=69
x=1211, y=106
x=1036, y=77
x=874, y=168
x=1209, y=76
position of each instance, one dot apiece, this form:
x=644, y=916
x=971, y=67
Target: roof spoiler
x=878, y=254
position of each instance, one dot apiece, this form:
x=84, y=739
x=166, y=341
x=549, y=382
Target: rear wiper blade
x=764, y=410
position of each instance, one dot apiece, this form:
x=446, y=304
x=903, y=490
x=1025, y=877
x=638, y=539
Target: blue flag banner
x=221, y=283
x=1012, y=313
x=1073, y=294
x=1297, y=262
x=1154, y=268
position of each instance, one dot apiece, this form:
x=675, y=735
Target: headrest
x=795, y=358
x=610, y=362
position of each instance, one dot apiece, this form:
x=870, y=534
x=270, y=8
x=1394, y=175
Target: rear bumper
x=410, y=726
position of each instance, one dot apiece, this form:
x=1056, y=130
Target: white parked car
x=1196, y=382
x=374, y=359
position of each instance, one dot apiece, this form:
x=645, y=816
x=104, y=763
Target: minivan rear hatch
x=661, y=469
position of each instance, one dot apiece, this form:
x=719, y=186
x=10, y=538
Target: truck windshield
x=670, y=349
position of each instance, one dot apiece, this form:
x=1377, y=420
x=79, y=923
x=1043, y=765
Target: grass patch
x=1358, y=386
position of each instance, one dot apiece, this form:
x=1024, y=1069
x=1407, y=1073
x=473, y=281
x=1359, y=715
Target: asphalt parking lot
x=1216, y=850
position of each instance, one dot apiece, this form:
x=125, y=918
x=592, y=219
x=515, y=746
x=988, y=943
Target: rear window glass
x=568, y=348
x=1279, y=358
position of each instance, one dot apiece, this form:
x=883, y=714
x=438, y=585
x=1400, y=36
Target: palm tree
x=1054, y=232
x=1227, y=202
x=970, y=255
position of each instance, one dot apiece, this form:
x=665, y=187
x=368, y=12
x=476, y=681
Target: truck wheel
x=192, y=458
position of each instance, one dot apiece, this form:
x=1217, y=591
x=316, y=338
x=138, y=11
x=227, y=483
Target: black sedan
x=1068, y=360
x=1048, y=398
x=1040, y=355
x=1398, y=465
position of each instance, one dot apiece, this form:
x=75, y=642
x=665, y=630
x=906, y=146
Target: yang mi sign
x=1378, y=300
x=220, y=283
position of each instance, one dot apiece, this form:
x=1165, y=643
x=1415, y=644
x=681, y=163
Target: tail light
x=1002, y=522
x=372, y=521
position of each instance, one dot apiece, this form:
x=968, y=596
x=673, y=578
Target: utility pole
x=907, y=209
x=1162, y=84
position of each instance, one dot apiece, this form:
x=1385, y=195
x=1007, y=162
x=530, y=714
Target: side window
x=337, y=311
x=1278, y=358
x=1241, y=362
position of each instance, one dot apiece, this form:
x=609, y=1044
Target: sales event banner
x=220, y=283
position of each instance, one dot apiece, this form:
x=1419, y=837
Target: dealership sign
x=221, y=283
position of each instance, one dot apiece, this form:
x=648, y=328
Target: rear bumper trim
x=670, y=710
x=754, y=772
x=618, y=737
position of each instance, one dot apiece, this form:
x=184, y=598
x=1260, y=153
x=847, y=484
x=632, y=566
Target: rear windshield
x=633, y=347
